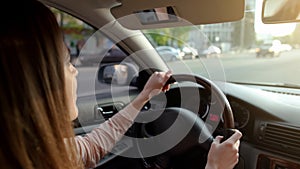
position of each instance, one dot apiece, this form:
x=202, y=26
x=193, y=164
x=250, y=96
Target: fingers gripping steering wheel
x=190, y=131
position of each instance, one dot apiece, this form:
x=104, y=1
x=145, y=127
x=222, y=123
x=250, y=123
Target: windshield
x=245, y=51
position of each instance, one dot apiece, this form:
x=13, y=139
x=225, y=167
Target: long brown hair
x=35, y=125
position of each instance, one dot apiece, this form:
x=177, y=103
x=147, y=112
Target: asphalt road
x=245, y=67
x=239, y=67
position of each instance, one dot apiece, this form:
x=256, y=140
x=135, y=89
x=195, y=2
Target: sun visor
x=149, y=14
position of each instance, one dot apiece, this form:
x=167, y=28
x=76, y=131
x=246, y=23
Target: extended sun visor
x=149, y=14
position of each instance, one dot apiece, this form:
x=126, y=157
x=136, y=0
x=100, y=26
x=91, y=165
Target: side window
x=85, y=44
x=103, y=68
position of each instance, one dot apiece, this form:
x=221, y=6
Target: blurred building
x=227, y=35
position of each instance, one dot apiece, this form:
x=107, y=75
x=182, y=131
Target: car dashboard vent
x=281, y=92
x=282, y=137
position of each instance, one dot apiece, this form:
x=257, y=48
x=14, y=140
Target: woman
x=38, y=96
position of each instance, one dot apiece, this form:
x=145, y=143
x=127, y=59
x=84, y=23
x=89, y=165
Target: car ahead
x=211, y=51
x=285, y=48
x=268, y=50
x=189, y=53
x=169, y=53
x=260, y=98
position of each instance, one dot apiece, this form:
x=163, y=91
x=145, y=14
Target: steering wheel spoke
x=176, y=130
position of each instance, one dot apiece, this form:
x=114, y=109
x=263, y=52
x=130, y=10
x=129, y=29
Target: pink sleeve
x=96, y=144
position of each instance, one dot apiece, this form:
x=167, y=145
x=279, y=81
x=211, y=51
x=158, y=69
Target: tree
x=175, y=37
x=295, y=40
x=244, y=35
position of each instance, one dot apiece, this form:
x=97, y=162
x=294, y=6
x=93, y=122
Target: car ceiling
x=95, y=12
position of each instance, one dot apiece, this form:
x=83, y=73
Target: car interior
x=209, y=95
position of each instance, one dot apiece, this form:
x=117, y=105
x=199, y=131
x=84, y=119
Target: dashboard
x=268, y=117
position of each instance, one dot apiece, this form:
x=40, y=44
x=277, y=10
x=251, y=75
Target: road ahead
x=230, y=67
x=246, y=67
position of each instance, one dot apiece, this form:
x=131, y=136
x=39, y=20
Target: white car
x=212, y=51
x=169, y=53
x=189, y=52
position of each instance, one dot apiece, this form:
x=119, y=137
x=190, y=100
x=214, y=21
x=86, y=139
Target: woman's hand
x=224, y=155
x=156, y=84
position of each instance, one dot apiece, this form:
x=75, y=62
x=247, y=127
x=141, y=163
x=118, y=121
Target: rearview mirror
x=281, y=11
x=157, y=15
x=118, y=74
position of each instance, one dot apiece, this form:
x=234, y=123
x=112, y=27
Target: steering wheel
x=189, y=130
x=211, y=88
